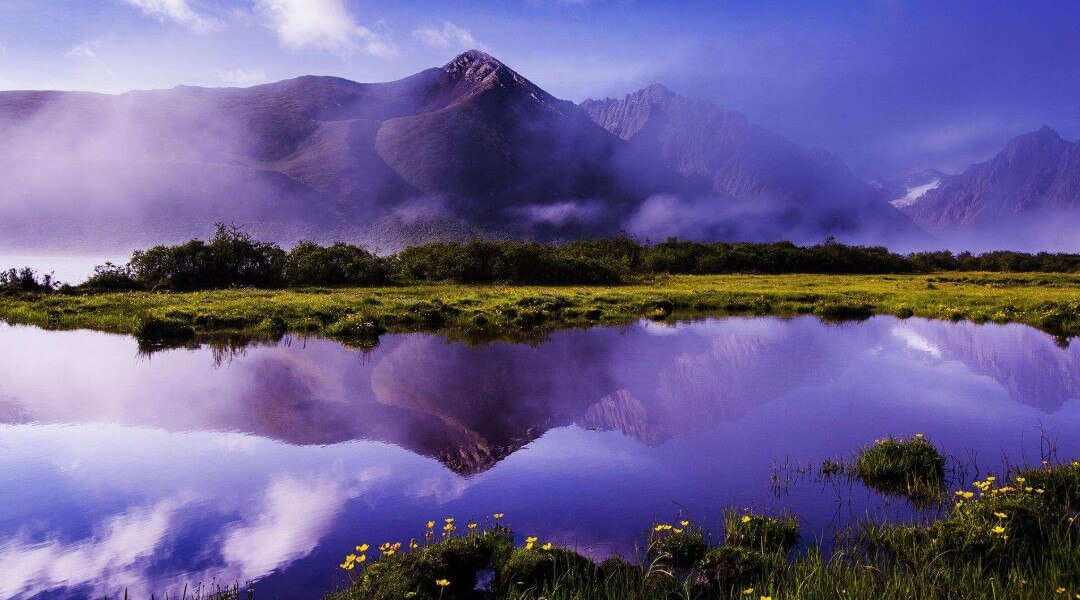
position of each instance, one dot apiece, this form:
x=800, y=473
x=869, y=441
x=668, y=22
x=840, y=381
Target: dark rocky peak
x=480, y=71
x=1042, y=141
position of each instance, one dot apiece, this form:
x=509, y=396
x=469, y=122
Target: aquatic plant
x=911, y=467
x=1013, y=537
x=760, y=532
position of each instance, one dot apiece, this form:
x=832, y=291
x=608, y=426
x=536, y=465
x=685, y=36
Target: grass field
x=1050, y=302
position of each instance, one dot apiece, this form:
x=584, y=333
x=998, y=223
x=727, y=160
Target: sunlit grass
x=1047, y=301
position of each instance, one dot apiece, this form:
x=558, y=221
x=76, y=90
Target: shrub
x=26, y=281
x=230, y=259
x=111, y=278
x=911, y=467
x=309, y=264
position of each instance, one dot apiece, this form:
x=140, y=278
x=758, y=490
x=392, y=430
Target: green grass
x=1049, y=302
x=911, y=467
x=1001, y=539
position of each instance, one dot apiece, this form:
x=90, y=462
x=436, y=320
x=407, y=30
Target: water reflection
x=121, y=470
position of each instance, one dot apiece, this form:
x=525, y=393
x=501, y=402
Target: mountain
x=908, y=190
x=1027, y=197
x=469, y=149
x=748, y=182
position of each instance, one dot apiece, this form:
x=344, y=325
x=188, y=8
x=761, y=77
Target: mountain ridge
x=1027, y=196
x=472, y=148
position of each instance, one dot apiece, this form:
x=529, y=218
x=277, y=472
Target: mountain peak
x=472, y=59
x=484, y=72
x=1042, y=139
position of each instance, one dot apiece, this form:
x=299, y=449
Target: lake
x=122, y=470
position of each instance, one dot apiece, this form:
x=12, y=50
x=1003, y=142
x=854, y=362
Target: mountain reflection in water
x=125, y=470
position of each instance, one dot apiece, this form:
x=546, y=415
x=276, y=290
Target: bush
x=230, y=259
x=309, y=264
x=26, y=281
x=507, y=262
x=111, y=278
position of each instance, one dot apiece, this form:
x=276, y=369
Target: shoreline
x=358, y=315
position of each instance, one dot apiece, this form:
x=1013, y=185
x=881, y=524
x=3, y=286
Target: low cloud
x=449, y=36
x=565, y=213
x=238, y=77
x=325, y=25
x=663, y=216
x=178, y=11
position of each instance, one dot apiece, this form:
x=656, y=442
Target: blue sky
x=892, y=86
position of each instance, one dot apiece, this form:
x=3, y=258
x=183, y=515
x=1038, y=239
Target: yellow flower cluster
x=352, y=560
x=391, y=548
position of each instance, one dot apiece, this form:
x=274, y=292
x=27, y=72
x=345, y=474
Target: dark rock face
x=469, y=149
x=1026, y=197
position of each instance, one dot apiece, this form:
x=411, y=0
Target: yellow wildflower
x=362, y=548
x=684, y=523
x=746, y=519
x=431, y=524
x=442, y=582
x=998, y=530
x=546, y=546
x=530, y=541
x=1000, y=515
x=748, y=591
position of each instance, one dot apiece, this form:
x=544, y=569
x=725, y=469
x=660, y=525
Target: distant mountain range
x=469, y=149
x=1026, y=197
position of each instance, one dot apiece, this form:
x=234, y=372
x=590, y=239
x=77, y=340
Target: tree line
x=233, y=259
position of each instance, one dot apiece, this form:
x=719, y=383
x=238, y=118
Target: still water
x=120, y=470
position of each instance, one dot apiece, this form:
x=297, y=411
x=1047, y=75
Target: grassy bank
x=1050, y=302
x=1010, y=536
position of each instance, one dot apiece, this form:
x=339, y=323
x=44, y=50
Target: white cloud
x=293, y=517
x=179, y=11
x=238, y=77
x=120, y=544
x=320, y=24
x=449, y=36
x=84, y=50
